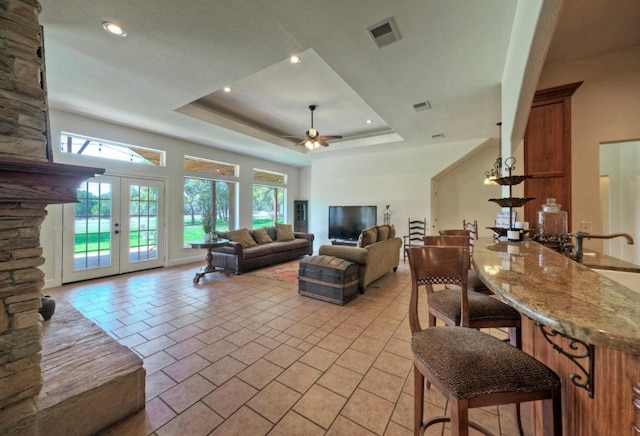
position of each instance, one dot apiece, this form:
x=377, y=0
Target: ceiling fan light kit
x=312, y=138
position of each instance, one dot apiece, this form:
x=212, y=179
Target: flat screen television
x=346, y=222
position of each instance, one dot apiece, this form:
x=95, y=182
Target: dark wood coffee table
x=209, y=267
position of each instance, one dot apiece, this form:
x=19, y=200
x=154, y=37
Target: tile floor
x=247, y=355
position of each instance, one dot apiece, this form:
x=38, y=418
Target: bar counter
x=581, y=324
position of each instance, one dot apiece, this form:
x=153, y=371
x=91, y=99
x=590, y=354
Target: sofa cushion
x=257, y=251
x=243, y=237
x=262, y=236
x=284, y=232
x=369, y=236
x=282, y=246
x=383, y=233
x=392, y=231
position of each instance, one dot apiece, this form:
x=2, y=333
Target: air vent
x=437, y=136
x=422, y=106
x=384, y=33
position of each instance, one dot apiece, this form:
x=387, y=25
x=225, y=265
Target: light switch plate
x=585, y=226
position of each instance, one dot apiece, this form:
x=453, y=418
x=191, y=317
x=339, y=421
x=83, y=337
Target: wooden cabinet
x=301, y=216
x=547, y=150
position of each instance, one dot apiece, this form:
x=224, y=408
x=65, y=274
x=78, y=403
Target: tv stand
x=347, y=242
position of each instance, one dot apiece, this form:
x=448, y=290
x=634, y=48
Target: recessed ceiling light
x=294, y=59
x=369, y=121
x=226, y=89
x=114, y=28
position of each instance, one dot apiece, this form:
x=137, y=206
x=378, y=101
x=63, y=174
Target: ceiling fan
x=312, y=139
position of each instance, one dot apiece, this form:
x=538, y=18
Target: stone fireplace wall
x=20, y=285
x=28, y=182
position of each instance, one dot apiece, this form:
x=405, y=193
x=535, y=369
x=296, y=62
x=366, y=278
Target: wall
x=620, y=164
x=173, y=176
x=461, y=194
x=381, y=175
x=605, y=108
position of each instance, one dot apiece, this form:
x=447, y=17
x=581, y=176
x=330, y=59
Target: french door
x=116, y=227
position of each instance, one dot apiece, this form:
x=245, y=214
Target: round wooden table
x=209, y=267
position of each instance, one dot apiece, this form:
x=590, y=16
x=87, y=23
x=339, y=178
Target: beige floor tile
x=335, y=343
x=241, y=337
x=382, y=384
x=157, y=361
x=368, y=410
x=294, y=424
x=185, y=368
x=284, y=355
x=345, y=427
x=230, y=397
x=394, y=429
x=356, y=361
x=185, y=394
x=299, y=377
x=184, y=348
x=393, y=364
x=217, y=350
x=221, y=371
x=157, y=414
x=320, y=405
x=368, y=345
x=340, y=380
x=319, y=358
x=157, y=383
x=260, y=373
x=195, y=421
x=249, y=353
x=399, y=347
x=274, y=401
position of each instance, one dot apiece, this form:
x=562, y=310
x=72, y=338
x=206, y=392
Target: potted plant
x=206, y=222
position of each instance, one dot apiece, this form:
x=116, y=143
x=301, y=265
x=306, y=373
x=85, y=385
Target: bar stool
x=471, y=368
x=471, y=231
x=457, y=305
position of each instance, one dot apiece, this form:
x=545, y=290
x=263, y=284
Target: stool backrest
x=442, y=265
x=446, y=240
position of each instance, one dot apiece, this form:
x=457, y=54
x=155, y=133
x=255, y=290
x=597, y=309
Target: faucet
x=580, y=236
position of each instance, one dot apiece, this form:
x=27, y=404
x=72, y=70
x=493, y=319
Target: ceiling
x=167, y=75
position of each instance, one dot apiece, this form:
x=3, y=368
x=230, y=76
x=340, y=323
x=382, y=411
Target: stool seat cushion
x=470, y=363
x=481, y=306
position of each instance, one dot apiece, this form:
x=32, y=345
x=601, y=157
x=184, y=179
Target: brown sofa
x=239, y=258
x=376, y=254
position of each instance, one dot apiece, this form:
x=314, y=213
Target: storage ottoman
x=328, y=278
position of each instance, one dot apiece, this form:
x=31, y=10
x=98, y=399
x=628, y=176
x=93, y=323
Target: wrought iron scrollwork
x=577, y=350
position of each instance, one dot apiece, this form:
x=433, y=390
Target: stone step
x=89, y=380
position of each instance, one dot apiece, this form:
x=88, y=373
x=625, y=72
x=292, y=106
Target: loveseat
x=376, y=252
x=251, y=249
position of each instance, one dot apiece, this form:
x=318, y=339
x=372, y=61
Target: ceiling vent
x=422, y=106
x=384, y=33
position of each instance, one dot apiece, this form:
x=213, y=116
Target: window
x=209, y=166
x=85, y=146
x=268, y=201
x=269, y=176
x=206, y=199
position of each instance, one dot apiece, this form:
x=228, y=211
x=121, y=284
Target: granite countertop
x=561, y=293
x=603, y=261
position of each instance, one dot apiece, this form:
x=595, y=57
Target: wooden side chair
x=417, y=229
x=470, y=368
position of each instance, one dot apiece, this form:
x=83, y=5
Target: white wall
x=620, y=163
x=381, y=175
x=173, y=175
x=605, y=108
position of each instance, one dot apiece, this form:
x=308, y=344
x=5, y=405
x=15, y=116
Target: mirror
x=620, y=204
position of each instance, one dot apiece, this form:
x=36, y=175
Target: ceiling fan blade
x=327, y=137
x=321, y=142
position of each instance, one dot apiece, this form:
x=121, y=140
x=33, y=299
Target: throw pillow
x=284, y=232
x=243, y=237
x=369, y=236
x=383, y=233
x=262, y=236
x=392, y=231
